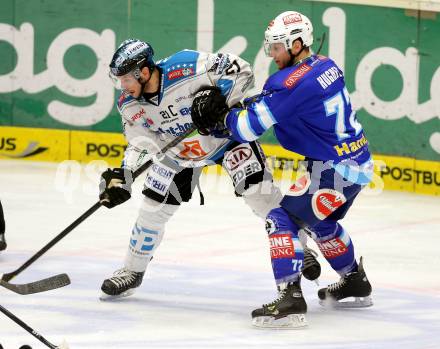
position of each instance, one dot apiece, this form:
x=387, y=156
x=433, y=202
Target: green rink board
x=54, y=56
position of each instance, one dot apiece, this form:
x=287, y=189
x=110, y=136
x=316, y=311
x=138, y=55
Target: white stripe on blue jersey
x=244, y=127
x=264, y=115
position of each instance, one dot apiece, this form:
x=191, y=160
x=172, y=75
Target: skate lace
x=123, y=277
x=337, y=285
x=309, y=257
x=281, y=295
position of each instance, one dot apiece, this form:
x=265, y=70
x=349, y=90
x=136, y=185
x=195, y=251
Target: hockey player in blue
x=309, y=107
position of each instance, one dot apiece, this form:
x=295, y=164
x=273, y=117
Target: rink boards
x=392, y=173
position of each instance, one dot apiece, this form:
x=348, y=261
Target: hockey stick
x=91, y=210
x=32, y=331
x=48, y=284
x=322, y=43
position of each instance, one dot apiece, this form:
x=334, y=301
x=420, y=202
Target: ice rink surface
x=211, y=271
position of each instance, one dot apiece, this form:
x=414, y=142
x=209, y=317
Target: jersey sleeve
x=232, y=74
x=264, y=111
x=246, y=125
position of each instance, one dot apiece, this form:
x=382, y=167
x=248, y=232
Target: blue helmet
x=132, y=54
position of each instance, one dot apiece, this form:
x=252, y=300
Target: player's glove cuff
x=115, y=186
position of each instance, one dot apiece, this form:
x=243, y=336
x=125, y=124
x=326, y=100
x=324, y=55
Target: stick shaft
x=51, y=243
x=89, y=212
x=25, y=326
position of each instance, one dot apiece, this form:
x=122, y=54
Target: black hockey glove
x=115, y=186
x=208, y=110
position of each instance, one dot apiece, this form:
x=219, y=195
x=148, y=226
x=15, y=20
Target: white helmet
x=286, y=28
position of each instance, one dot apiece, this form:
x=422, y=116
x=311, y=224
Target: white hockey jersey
x=151, y=124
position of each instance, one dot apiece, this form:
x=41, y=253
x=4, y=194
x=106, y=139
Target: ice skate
x=352, y=291
x=311, y=269
x=123, y=283
x=3, y=244
x=286, y=312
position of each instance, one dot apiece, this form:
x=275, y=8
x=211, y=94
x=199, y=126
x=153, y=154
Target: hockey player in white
x=155, y=106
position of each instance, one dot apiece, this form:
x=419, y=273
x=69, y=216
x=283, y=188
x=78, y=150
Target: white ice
x=210, y=272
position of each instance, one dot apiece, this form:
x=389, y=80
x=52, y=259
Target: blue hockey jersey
x=309, y=108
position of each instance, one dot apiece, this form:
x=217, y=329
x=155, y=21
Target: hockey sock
x=286, y=250
x=336, y=246
x=147, y=234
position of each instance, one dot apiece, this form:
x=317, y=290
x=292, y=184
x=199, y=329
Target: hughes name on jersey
x=150, y=124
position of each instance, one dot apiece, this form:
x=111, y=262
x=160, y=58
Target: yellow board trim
x=34, y=144
x=394, y=172
x=88, y=146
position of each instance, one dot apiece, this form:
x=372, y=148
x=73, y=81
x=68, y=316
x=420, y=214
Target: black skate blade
x=289, y=322
x=109, y=298
x=348, y=303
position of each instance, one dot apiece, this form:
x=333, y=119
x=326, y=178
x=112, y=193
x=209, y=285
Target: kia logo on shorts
x=237, y=157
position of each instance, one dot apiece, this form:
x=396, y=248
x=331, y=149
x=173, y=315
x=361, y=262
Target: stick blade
x=7, y=276
x=43, y=285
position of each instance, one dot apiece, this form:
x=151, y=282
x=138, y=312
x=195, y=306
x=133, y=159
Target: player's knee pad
x=336, y=246
x=155, y=215
x=147, y=233
x=263, y=197
x=286, y=250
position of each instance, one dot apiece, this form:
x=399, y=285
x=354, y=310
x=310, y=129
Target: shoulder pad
x=181, y=57
x=179, y=66
x=219, y=63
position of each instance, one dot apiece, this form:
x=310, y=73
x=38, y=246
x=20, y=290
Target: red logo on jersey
x=138, y=115
x=237, y=157
x=332, y=248
x=178, y=73
x=295, y=76
x=327, y=201
x=150, y=121
x=281, y=246
x=292, y=18
x=122, y=98
x=300, y=186
x=193, y=150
